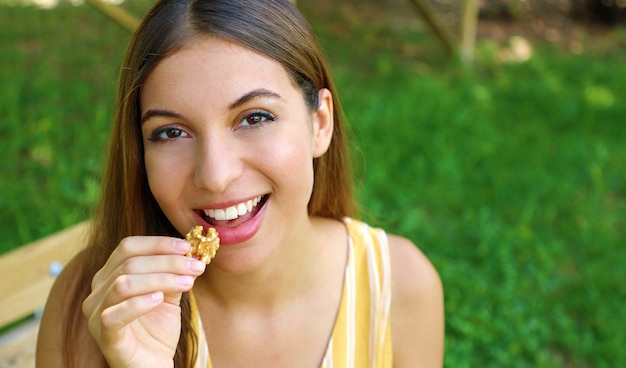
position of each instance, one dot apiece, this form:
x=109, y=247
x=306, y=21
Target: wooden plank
x=17, y=348
x=26, y=280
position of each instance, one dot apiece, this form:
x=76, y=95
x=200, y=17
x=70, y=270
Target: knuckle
x=126, y=245
x=122, y=285
x=129, y=267
x=86, y=306
x=97, y=279
x=108, y=319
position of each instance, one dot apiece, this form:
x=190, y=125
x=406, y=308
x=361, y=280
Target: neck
x=296, y=268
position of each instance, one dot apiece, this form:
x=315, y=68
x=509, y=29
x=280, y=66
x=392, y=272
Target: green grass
x=59, y=69
x=510, y=177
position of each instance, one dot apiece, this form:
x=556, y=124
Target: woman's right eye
x=167, y=133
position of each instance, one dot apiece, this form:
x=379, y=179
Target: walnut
x=203, y=247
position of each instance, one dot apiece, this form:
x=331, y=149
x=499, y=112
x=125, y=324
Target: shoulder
x=412, y=273
x=417, y=311
x=63, y=309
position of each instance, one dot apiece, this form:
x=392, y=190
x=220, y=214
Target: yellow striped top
x=361, y=336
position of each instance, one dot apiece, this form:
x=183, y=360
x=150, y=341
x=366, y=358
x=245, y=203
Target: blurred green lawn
x=510, y=177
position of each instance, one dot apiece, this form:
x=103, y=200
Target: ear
x=323, y=123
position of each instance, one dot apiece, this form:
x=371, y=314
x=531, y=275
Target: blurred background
x=507, y=169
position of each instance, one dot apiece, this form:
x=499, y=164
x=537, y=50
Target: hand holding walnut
x=133, y=310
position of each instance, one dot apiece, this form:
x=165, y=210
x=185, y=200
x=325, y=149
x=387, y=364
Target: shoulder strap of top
x=362, y=334
x=202, y=360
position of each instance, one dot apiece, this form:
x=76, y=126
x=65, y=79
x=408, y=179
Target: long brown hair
x=273, y=28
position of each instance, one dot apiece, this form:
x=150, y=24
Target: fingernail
x=195, y=265
x=154, y=297
x=181, y=245
x=185, y=280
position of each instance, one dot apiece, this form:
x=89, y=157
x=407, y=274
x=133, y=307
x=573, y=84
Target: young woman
x=227, y=117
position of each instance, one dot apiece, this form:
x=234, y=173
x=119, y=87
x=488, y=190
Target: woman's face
x=229, y=143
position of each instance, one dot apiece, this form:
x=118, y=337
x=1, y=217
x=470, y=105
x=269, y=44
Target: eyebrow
x=257, y=93
x=156, y=112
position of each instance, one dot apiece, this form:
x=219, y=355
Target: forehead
x=215, y=68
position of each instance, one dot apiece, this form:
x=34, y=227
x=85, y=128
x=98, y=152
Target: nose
x=218, y=163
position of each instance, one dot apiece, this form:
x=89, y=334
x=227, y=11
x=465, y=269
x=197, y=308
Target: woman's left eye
x=256, y=119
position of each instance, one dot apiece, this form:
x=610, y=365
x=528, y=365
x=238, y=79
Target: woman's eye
x=168, y=133
x=256, y=119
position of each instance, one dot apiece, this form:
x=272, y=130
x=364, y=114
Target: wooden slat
x=17, y=348
x=26, y=281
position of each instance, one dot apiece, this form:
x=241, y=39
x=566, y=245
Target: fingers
x=137, y=246
x=116, y=317
x=141, y=266
x=137, y=330
x=175, y=264
x=126, y=287
x=134, y=304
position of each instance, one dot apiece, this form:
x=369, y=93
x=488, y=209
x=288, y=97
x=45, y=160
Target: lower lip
x=242, y=232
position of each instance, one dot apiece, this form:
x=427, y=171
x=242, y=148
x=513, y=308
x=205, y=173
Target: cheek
x=292, y=162
x=164, y=177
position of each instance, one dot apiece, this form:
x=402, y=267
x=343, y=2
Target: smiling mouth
x=243, y=211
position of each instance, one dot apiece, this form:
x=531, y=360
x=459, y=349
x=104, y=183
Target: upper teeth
x=233, y=212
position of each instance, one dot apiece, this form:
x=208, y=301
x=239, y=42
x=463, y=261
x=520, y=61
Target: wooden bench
x=27, y=274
